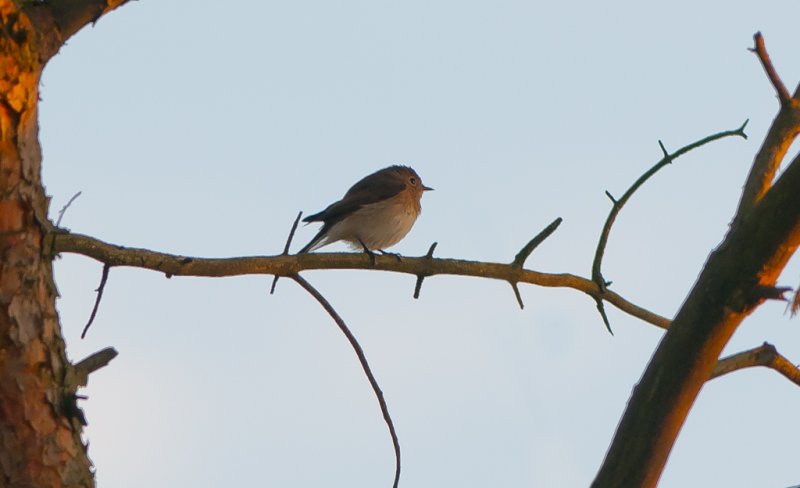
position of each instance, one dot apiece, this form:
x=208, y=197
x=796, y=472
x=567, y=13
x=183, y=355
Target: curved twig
x=364, y=365
x=597, y=275
x=173, y=265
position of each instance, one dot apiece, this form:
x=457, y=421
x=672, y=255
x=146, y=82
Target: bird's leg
x=369, y=253
x=396, y=255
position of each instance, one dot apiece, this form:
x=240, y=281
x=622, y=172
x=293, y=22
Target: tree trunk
x=738, y=276
x=40, y=423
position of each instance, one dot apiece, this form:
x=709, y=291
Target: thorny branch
x=174, y=265
x=617, y=204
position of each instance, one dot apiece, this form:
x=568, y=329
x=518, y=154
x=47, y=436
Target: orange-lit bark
x=737, y=277
x=40, y=444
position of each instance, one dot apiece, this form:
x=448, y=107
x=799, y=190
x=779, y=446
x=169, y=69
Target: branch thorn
x=517, y=294
x=602, y=309
x=522, y=255
x=286, y=249
x=421, y=277
x=740, y=130
x=664, y=150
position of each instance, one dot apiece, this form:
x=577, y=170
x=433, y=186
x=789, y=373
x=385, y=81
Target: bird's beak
x=426, y=188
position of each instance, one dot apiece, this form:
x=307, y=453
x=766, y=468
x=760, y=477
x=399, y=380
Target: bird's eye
x=413, y=180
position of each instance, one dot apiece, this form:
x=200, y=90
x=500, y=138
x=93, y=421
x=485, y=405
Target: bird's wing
x=371, y=189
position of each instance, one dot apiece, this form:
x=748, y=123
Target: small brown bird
x=376, y=213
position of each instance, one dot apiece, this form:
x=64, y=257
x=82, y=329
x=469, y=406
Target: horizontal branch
x=282, y=265
x=765, y=355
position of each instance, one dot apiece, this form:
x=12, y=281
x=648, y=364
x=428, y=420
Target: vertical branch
x=779, y=138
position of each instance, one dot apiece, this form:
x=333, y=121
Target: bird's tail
x=318, y=241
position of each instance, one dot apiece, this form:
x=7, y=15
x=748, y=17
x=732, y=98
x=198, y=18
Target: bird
x=375, y=213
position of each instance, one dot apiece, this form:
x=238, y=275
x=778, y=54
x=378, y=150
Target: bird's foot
x=369, y=253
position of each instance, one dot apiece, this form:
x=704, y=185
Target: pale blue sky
x=202, y=129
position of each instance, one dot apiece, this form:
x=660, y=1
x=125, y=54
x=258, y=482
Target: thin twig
x=103, y=279
x=364, y=365
x=286, y=250
x=597, y=275
x=761, y=51
x=421, y=276
x=765, y=355
x=65, y=207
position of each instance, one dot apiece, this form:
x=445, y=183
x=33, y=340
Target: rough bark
x=40, y=424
